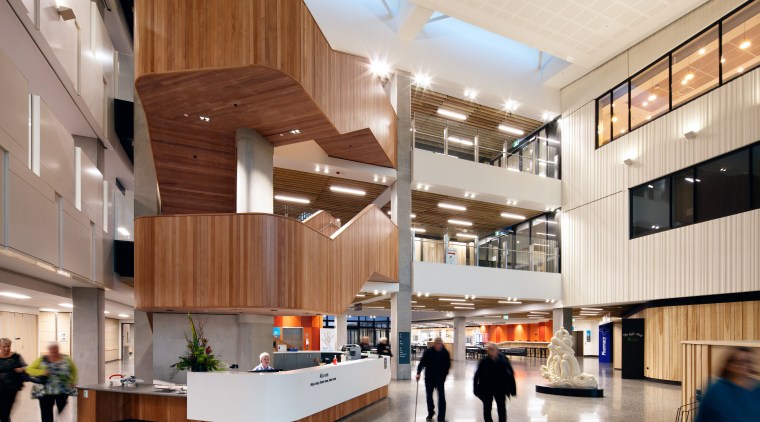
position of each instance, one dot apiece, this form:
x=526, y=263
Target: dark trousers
x=429, y=387
x=501, y=406
x=7, y=398
x=46, y=405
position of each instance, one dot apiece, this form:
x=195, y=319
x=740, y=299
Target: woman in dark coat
x=11, y=378
x=494, y=380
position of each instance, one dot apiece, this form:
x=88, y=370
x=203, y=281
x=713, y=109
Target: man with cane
x=436, y=363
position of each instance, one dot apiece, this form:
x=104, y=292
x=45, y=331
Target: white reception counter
x=284, y=396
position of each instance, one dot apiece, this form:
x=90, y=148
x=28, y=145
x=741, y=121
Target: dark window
x=756, y=177
x=683, y=197
x=604, y=126
x=650, y=207
x=722, y=186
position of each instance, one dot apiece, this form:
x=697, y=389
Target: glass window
x=756, y=177
x=620, y=111
x=649, y=93
x=695, y=67
x=722, y=186
x=683, y=197
x=741, y=45
x=604, y=109
x=650, y=207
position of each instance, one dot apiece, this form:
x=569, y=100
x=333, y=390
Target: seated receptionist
x=264, y=365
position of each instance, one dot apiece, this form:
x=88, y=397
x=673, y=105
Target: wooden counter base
x=114, y=406
x=346, y=408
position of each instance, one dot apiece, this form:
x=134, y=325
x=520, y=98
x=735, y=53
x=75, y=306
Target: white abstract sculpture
x=562, y=368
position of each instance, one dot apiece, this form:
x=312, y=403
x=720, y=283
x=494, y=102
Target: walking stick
x=416, y=398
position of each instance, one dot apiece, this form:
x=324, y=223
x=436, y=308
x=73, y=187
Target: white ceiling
x=493, y=45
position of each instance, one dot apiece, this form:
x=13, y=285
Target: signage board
x=605, y=343
x=404, y=347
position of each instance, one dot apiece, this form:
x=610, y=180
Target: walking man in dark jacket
x=494, y=380
x=436, y=363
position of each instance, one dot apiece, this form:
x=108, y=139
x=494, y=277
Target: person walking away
x=12, y=367
x=494, y=380
x=735, y=396
x=57, y=378
x=436, y=362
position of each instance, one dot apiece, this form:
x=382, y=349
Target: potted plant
x=198, y=357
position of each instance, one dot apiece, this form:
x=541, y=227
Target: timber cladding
x=666, y=327
x=258, y=263
x=260, y=64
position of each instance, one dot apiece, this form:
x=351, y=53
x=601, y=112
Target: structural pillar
x=143, y=339
x=254, y=337
x=459, y=338
x=88, y=348
x=255, y=161
x=341, y=330
x=563, y=317
x=401, y=209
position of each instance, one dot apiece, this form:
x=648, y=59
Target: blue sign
x=404, y=347
x=605, y=343
x=276, y=332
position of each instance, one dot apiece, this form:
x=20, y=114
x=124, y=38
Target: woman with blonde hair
x=11, y=378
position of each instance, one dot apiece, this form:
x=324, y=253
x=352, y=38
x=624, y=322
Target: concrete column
x=341, y=330
x=146, y=183
x=459, y=338
x=143, y=341
x=401, y=206
x=563, y=317
x=254, y=337
x=88, y=336
x=255, y=156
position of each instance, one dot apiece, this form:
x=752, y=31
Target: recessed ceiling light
x=510, y=302
x=348, y=190
x=295, y=132
x=123, y=316
x=645, y=103
x=467, y=235
x=510, y=215
x=451, y=114
x=14, y=295
x=106, y=312
x=418, y=230
x=66, y=305
x=614, y=119
x=511, y=105
x=512, y=130
x=452, y=206
x=361, y=295
x=412, y=215
x=291, y=199
x=702, y=51
x=689, y=76
x=205, y=118
x=460, y=222
x=422, y=80
x=652, y=97
x=471, y=94
x=745, y=44
x=48, y=310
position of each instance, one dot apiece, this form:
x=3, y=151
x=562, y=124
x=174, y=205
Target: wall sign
x=276, y=332
x=633, y=348
x=451, y=256
x=605, y=343
x=328, y=340
x=404, y=347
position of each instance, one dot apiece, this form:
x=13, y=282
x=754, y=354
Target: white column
x=254, y=337
x=88, y=347
x=255, y=156
x=341, y=330
x=143, y=341
x=459, y=338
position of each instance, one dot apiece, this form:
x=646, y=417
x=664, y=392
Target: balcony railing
x=534, y=154
x=535, y=257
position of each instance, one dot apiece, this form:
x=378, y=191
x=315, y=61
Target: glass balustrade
x=537, y=153
x=542, y=257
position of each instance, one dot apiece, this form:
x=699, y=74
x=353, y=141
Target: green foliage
x=198, y=356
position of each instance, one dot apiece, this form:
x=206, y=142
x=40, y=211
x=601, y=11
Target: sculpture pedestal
x=574, y=392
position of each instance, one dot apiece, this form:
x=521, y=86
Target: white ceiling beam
x=411, y=21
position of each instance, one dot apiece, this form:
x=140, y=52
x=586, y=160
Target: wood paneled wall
x=346, y=408
x=599, y=263
x=260, y=64
x=256, y=263
x=107, y=406
x=666, y=327
x=323, y=222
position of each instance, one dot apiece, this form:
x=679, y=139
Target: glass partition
x=739, y=38
x=695, y=67
x=650, y=97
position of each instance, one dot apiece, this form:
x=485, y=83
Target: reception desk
x=319, y=393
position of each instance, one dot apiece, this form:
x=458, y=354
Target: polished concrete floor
x=27, y=409
x=625, y=400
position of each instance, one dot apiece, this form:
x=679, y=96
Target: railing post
x=446, y=139
x=477, y=248
x=476, y=153
x=414, y=132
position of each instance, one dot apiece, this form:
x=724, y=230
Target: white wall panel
x=62, y=36
x=32, y=219
x=594, y=83
x=14, y=107
x=92, y=191
x=77, y=242
x=56, y=154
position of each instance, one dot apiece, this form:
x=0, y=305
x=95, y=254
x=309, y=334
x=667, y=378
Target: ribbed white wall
x=600, y=265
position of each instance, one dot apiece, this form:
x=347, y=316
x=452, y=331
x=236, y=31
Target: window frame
x=718, y=24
